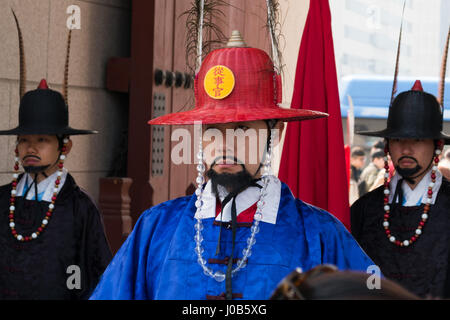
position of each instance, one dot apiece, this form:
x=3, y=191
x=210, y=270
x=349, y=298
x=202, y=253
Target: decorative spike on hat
x=417, y=86
x=236, y=40
x=43, y=85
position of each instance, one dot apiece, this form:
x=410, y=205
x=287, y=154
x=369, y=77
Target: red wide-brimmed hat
x=236, y=84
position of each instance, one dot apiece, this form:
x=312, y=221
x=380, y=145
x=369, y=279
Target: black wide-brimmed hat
x=414, y=114
x=43, y=111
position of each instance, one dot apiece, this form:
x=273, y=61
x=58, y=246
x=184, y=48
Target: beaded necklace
x=426, y=210
x=12, y=225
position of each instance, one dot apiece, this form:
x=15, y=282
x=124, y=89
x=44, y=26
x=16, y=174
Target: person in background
x=370, y=173
x=444, y=165
x=357, y=161
x=378, y=145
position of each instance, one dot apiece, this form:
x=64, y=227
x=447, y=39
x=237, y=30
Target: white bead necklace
x=219, y=275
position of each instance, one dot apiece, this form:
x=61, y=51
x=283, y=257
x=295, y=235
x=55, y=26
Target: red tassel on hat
x=43, y=85
x=417, y=86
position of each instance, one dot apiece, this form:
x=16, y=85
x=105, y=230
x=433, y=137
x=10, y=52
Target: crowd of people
x=242, y=231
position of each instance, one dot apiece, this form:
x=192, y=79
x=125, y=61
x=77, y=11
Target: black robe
x=423, y=267
x=40, y=269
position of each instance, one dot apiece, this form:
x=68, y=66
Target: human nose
x=224, y=147
x=31, y=147
x=406, y=147
x=223, y=143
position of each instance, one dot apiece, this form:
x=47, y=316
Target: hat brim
x=392, y=134
x=51, y=131
x=211, y=116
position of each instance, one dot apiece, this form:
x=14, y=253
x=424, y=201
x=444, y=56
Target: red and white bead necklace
x=51, y=206
x=426, y=210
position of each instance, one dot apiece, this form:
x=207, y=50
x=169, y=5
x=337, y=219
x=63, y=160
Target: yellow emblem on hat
x=219, y=82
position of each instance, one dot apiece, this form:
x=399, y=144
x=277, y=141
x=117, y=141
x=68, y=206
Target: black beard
x=231, y=181
x=35, y=169
x=408, y=172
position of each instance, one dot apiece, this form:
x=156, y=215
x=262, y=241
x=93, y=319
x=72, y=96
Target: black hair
x=379, y=144
x=358, y=152
x=377, y=153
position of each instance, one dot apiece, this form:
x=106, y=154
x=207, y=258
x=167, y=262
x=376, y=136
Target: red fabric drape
x=313, y=158
x=347, y=153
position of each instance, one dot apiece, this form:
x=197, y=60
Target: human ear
x=68, y=146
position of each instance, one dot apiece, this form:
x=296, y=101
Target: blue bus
x=371, y=98
x=371, y=94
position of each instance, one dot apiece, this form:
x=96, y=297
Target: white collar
x=413, y=196
x=244, y=200
x=46, y=186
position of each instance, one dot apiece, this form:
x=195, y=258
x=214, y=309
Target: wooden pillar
x=114, y=203
x=141, y=83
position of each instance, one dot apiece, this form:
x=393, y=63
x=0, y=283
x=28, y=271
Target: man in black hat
x=52, y=240
x=404, y=224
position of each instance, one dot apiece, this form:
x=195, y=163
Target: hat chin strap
x=270, y=126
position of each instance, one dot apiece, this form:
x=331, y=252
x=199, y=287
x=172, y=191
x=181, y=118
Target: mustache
x=235, y=160
x=408, y=157
x=31, y=156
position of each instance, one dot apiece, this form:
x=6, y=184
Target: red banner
x=313, y=159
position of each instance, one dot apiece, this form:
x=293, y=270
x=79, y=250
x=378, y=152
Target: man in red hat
x=52, y=241
x=242, y=231
x=404, y=224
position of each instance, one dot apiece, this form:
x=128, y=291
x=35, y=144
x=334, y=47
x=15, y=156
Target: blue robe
x=158, y=260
